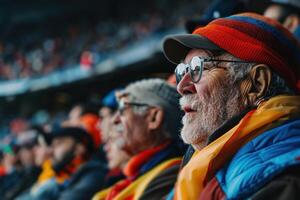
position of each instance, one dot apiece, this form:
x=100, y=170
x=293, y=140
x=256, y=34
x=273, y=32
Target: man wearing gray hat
x=148, y=120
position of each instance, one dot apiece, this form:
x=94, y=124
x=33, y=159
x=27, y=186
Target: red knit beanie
x=248, y=36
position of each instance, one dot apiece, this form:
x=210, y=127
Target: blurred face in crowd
x=9, y=161
x=62, y=147
x=116, y=157
x=208, y=103
x=75, y=113
x=289, y=19
x=66, y=149
x=106, y=124
x=273, y=12
x=132, y=128
x=41, y=153
x=74, y=117
x=26, y=156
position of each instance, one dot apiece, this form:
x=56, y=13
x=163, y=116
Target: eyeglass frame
x=121, y=106
x=188, y=67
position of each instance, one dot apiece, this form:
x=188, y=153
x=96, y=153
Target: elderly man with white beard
x=147, y=122
x=239, y=78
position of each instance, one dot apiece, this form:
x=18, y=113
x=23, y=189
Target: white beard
x=211, y=112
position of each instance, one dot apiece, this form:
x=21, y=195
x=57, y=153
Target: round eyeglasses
x=196, y=67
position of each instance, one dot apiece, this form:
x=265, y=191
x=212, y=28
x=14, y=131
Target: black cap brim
x=176, y=47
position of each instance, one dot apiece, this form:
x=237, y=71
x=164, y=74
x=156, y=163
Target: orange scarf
x=48, y=172
x=132, y=168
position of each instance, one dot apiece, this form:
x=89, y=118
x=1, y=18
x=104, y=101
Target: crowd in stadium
x=42, y=57
x=225, y=125
x=81, y=42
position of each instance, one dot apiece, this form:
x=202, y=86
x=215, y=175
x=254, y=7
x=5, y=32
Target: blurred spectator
x=12, y=166
x=172, y=79
x=86, y=60
x=40, y=118
x=74, y=115
x=90, y=122
x=2, y=169
x=83, y=42
x=147, y=123
x=9, y=159
x=106, y=112
x=117, y=160
x=89, y=177
x=216, y=9
x=287, y=12
x=42, y=150
x=76, y=176
x=86, y=116
x=18, y=125
x=116, y=157
x=31, y=160
x=79, y=110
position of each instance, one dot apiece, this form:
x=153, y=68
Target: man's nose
x=116, y=118
x=186, y=85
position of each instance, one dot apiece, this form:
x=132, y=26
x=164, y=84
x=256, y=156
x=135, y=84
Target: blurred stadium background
x=58, y=53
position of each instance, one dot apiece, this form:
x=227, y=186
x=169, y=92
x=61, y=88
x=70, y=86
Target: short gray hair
x=158, y=93
x=238, y=71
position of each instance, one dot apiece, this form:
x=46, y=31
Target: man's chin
x=197, y=142
x=191, y=134
x=188, y=136
x=188, y=119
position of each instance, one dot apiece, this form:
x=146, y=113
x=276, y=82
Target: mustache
x=191, y=100
x=119, y=128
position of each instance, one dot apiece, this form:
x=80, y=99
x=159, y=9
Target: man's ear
x=254, y=88
x=291, y=22
x=155, y=118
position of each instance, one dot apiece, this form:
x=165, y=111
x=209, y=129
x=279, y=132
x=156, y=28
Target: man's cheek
x=202, y=89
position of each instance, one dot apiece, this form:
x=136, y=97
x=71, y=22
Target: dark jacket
x=85, y=182
x=24, y=180
x=159, y=187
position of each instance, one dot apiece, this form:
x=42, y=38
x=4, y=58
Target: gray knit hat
x=157, y=92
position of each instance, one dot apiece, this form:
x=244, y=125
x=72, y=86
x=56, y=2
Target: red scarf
x=131, y=170
x=70, y=169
